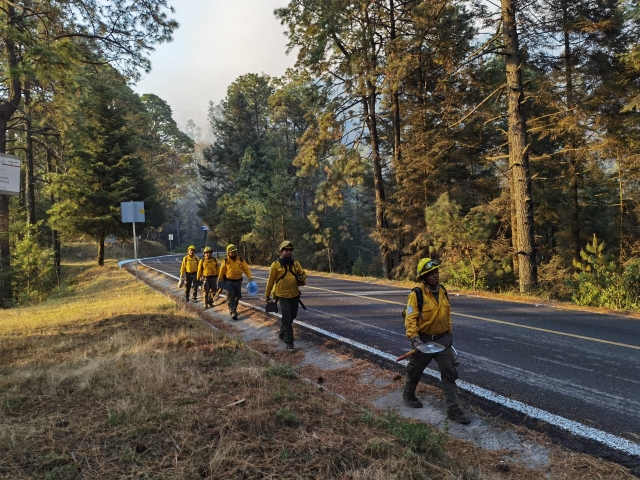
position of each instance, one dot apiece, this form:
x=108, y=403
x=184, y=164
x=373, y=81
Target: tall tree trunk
x=518, y=152
x=370, y=103
x=54, y=233
x=7, y=109
x=378, y=185
x=284, y=224
x=5, y=260
x=56, y=256
x=29, y=183
x=395, y=97
x=101, y=249
x=6, y=291
x=574, y=206
x=514, y=229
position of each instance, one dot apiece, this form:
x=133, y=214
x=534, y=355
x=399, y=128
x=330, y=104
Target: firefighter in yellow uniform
x=231, y=271
x=208, y=274
x=189, y=269
x=428, y=319
x=285, y=277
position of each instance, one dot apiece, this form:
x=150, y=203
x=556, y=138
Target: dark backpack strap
x=420, y=299
x=285, y=270
x=446, y=294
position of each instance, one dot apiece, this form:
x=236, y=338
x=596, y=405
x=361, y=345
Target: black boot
x=409, y=396
x=459, y=415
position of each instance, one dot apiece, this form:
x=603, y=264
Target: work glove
x=415, y=341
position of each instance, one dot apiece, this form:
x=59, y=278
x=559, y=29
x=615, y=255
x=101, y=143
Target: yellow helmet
x=425, y=265
x=191, y=247
x=231, y=248
x=207, y=250
x=286, y=245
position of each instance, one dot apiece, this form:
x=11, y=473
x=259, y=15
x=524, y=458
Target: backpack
x=290, y=270
x=420, y=299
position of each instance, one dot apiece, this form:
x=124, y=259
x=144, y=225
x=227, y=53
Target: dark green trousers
x=190, y=278
x=446, y=362
x=234, y=294
x=289, y=311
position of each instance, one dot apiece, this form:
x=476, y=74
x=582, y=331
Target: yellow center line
x=502, y=322
x=546, y=330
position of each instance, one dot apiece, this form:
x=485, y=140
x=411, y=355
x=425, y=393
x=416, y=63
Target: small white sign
x=132, y=212
x=171, y=236
x=9, y=174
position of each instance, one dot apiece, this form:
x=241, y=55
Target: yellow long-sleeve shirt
x=189, y=265
x=232, y=269
x=287, y=286
x=208, y=267
x=436, y=315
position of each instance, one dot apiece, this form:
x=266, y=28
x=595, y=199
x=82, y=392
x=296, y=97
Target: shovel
x=429, y=347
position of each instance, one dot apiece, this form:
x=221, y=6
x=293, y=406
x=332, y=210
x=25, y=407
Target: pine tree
x=103, y=165
x=41, y=34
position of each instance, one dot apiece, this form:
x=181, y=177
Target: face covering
x=285, y=261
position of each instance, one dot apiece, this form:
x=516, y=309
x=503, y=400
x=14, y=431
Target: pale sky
x=217, y=41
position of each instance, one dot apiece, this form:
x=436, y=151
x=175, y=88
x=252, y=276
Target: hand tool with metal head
x=429, y=347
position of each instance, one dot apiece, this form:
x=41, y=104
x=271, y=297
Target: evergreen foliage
x=103, y=166
x=44, y=48
x=600, y=283
x=33, y=266
x=496, y=138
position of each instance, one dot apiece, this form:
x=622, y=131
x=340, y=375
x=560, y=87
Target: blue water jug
x=252, y=288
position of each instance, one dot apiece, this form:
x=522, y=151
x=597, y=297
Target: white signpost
x=205, y=230
x=9, y=174
x=133, y=212
x=170, y=240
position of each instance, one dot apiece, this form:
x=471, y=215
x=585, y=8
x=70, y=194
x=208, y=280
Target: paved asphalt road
x=582, y=366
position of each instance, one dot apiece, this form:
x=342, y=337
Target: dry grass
x=116, y=381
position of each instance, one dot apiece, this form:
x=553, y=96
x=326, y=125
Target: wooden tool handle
x=408, y=354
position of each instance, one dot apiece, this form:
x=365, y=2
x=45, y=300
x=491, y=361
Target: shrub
x=359, y=266
x=600, y=284
x=552, y=279
x=461, y=275
x=631, y=284
x=33, y=267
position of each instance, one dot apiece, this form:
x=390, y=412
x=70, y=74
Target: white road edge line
x=576, y=428
x=611, y=441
